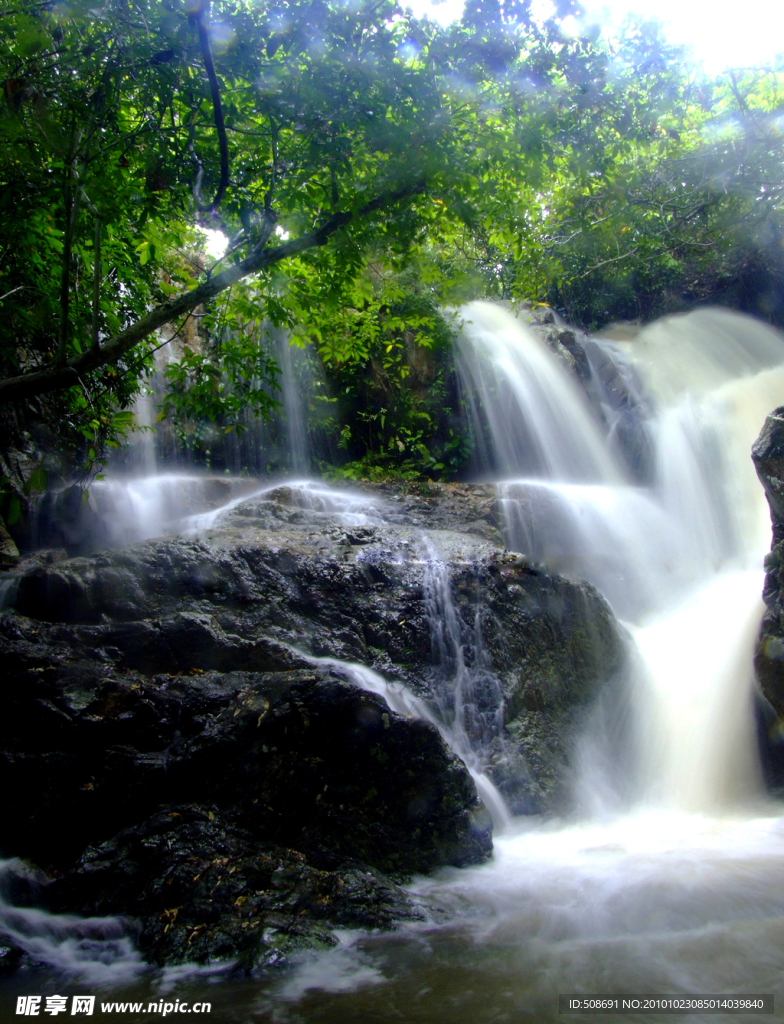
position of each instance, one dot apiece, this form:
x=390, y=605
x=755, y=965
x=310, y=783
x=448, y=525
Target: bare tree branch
x=203, y=24
x=60, y=377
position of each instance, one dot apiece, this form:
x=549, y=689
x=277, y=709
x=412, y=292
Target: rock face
x=204, y=889
x=560, y=338
x=768, y=456
x=174, y=750
x=610, y=384
x=9, y=552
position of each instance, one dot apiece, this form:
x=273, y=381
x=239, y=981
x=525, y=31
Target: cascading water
x=96, y=950
x=528, y=414
x=468, y=693
x=673, y=558
x=669, y=880
x=668, y=877
x=295, y=413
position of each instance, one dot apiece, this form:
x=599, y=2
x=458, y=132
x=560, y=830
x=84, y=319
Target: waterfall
x=698, y=746
x=288, y=442
x=144, y=417
x=96, y=950
x=295, y=435
x=152, y=486
x=403, y=702
x=668, y=877
x=528, y=414
x=294, y=409
x=468, y=694
x=679, y=557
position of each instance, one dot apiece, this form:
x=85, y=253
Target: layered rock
x=167, y=718
x=768, y=456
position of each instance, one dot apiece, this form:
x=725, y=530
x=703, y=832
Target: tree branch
x=58, y=378
x=603, y=263
x=203, y=24
x=72, y=196
x=96, y=282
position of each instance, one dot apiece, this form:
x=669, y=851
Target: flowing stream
x=668, y=876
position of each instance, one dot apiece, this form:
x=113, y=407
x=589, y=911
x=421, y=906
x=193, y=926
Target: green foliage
x=694, y=214
x=390, y=367
x=387, y=166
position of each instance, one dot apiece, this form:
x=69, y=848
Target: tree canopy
x=335, y=144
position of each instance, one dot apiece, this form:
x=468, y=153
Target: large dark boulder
x=163, y=706
x=203, y=889
x=554, y=645
x=240, y=814
x=300, y=757
x=273, y=575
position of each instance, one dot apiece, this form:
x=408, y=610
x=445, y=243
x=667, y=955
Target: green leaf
x=14, y=511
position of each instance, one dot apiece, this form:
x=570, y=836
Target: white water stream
x=670, y=877
x=96, y=951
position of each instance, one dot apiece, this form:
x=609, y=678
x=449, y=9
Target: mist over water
x=668, y=879
x=667, y=876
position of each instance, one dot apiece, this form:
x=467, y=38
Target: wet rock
x=554, y=644
x=56, y=595
x=13, y=958
x=617, y=392
x=164, y=698
x=9, y=552
x=610, y=384
x=273, y=575
x=287, y=791
x=768, y=456
x=300, y=756
x=560, y=338
x=206, y=890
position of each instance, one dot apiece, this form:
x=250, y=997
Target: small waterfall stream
x=97, y=951
x=404, y=702
x=669, y=879
x=669, y=876
x=680, y=558
x=468, y=693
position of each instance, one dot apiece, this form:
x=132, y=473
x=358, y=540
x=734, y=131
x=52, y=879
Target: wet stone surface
x=768, y=457
x=170, y=753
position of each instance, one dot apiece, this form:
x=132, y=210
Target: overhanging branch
x=58, y=378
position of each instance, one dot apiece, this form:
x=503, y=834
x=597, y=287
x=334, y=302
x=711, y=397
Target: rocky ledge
x=768, y=456
x=185, y=742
